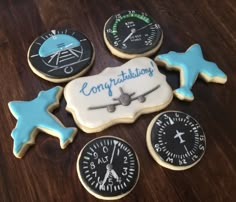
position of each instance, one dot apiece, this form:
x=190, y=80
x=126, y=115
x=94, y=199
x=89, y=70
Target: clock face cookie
x=175, y=140
x=108, y=168
x=117, y=95
x=60, y=55
x=132, y=33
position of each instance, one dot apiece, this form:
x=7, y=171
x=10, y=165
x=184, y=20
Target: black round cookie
x=175, y=140
x=132, y=33
x=61, y=55
x=108, y=168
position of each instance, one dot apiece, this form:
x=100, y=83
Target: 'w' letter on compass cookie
x=35, y=115
x=191, y=64
x=60, y=55
x=117, y=95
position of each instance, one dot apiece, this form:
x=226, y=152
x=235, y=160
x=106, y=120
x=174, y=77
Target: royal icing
x=57, y=43
x=117, y=95
x=191, y=64
x=176, y=140
x=116, y=166
x=132, y=33
x=60, y=55
x=35, y=115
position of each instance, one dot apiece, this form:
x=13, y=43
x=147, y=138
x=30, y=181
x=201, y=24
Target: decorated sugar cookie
x=117, y=95
x=175, y=140
x=108, y=168
x=131, y=34
x=191, y=64
x=35, y=115
x=60, y=55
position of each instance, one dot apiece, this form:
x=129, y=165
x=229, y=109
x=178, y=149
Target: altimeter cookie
x=108, y=168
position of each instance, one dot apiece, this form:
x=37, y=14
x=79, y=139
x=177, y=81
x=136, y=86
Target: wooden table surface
x=47, y=173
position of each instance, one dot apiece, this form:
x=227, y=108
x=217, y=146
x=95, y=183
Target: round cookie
x=175, y=140
x=60, y=55
x=131, y=34
x=108, y=168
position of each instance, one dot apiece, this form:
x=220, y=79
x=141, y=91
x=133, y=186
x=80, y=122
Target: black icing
x=138, y=45
x=180, y=143
x=69, y=63
x=98, y=166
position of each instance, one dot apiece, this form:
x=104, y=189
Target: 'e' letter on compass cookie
x=191, y=64
x=117, y=95
x=35, y=115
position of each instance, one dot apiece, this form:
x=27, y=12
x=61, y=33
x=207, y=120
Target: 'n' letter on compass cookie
x=131, y=34
x=191, y=64
x=60, y=55
x=175, y=140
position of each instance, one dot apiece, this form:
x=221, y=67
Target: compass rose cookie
x=60, y=55
x=175, y=140
x=131, y=34
x=108, y=168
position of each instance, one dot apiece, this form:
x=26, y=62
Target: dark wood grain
x=47, y=173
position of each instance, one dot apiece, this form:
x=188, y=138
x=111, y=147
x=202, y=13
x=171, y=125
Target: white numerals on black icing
x=61, y=53
x=178, y=139
x=132, y=32
x=108, y=167
x=125, y=99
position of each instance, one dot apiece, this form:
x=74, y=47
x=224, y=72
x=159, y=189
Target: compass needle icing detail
x=175, y=140
x=131, y=34
x=108, y=168
x=61, y=55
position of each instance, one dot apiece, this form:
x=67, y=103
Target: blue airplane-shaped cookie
x=35, y=115
x=191, y=64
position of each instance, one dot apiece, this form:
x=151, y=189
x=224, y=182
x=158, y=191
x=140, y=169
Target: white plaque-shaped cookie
x=117, y=95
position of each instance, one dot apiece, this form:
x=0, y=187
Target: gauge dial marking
x=112, y=166
x=60, y=55
x=175, y=140
x=132, y=33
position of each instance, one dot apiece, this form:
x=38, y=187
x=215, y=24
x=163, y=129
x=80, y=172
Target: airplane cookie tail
x=68, y=136
x=184, y=93
x=17, y=149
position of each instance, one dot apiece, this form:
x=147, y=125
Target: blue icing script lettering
x=121, y=78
